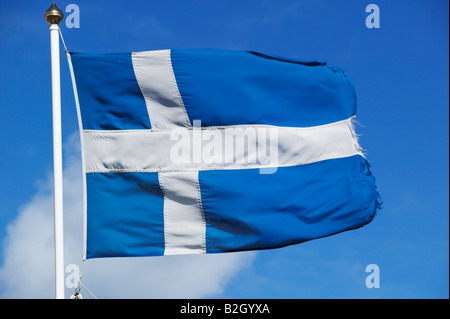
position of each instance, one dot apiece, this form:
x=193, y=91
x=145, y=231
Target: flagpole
x=54, y=16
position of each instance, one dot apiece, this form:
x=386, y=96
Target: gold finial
x=53, y=15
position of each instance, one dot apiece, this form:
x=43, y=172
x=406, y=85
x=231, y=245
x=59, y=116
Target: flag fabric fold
x=210, y=151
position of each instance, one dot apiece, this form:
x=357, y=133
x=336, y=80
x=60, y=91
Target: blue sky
x=401, y=76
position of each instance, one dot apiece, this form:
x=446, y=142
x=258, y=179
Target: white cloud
x=28, y=268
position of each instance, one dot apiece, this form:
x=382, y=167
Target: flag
x=211, y=151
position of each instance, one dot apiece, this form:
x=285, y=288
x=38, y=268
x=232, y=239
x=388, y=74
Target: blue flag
x=210, y=151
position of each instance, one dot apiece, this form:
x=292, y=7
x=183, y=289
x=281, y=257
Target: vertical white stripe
x=155, y=77
x=184, y=222
x=184, y=225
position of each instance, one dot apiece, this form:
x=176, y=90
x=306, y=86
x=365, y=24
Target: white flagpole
x=54, y=16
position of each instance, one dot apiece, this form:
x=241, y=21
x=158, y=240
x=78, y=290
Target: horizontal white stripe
x=154, y=74
x=184, y=223
x=215, y=148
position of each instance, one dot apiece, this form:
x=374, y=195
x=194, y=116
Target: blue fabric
x=109, y=95
x=124, y=215
x=224, y=87
x=246, y=210
x=243, y=209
